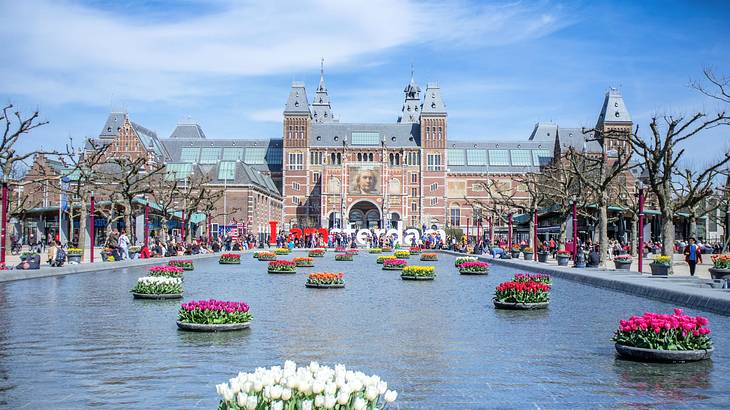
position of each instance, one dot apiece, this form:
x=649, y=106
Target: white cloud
x=61, y=51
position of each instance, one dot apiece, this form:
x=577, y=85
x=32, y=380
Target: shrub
x=721, y=261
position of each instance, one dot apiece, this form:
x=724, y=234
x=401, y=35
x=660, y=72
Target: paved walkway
x=680, y=289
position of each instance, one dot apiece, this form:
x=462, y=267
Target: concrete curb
x=684, y=291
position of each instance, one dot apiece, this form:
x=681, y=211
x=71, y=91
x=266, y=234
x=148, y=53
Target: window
x=521, y=157
x=414, y=178
x=428, y=132
x=189, y=154
x=210, y=155
x=232, y=154
x=177, y=172
x=296, y=161
x=476, y=157
x=414, y=158
x=359, y=157
x=414, y=206
x=315, y=158
x=455, y=216
x=439, y=132
x=370, y=157
x=365, y=138
x=456, y=157
x=434, y=201
x=397, y=159
x=339, y=159
x=434, y=187
x=227, y=170
x=477, y=187
x=498, y=157
x=273, y=155
x=316, y=177
x=295, y=200
x=295, y=186
x=434, y=162
x=255, y=156
x=334, y=186
x=541, y=157
x=414, y=192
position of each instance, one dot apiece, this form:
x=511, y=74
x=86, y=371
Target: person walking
x=124, y=244
x=692, y=255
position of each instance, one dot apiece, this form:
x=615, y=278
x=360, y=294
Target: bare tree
x=14, y=126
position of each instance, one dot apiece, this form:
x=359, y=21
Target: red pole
x=491, y=230
x=575, y=231
x=641, y=230
x=534, y=224
x=509, y=233
x=93, y=230
x=182, y=227
x=146, y=224
x=479, y=224
x=4, y=223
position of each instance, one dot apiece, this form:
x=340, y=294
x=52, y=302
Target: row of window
x=499, y=157
x=394, y=159
x=250, y=155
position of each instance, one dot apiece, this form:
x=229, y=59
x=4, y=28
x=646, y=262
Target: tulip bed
x=267, y=256
x=463, y=259
x=340, y=249
x=168, y=271
x=230, y=258
x=387, y=249
x=522, y=292
x=394, y=264
x=375, y=250
x=214, y=312
x=303, y=262
x=325, y=279
x=343, y=257
x=418, y=272
x=384, y=258
x=533, y=277
x=664, y=332
x=282, y=251
x=402, y=254
x=474, y=268
x=352, y=251
x=316, y=253
x=721, y=261
x=414, y=250
x=158, y=285
x=311, y=387
x=282, y=267
x=429, y=257
x=184, y=264
x=622, y=258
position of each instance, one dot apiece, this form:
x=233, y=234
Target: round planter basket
x=468, y=272
x=658, y=269
x=267, y=259
x=281, y=272
x=157, y=296
x=662, y=356
x=229, y=262
x=717, y=273
x=528, y=256
x=542, y=257
x=418, y=277
x=392, y=267
x=315, y=255
x=429, y=259
x=563, y=260
x=199, y=327
x=305, y=265
x=314, y=285
x=73, y=258
x=519, y=306
x=622, y=265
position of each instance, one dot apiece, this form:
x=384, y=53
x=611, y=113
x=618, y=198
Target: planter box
x=563, y=260
x=658, y=269
x=73, y=258
x=267, y=259
x=417, y=277
x=157, y=296
x=662, y=356
x=305, y=265
x=195, y=327
x=467, y=272
x=542, y=257
x=429, y=259
x=622, y=265
x=519, y=306
x=717, y=273
x=315, y=255
x=527, y=256
x=230, y=262
x=312, y=285
x=393, y=267
x=282, y=272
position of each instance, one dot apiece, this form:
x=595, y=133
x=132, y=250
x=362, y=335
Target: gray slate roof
x=577, y=138
x=400, y=135
x=188, y=131
x=111, y=127
x=543, y=146
x=297, y=102
x=544, y=131
x=433, y=103
x=149, y=139
x=614, y=109
x=174, y=146
x=244, y=175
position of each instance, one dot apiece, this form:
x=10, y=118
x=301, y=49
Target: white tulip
x=267, y=380
x=267, y=392
x=305, y=387
x=382, y=387
x=330, y=389
x=292, y=382
x=356, y=385
x=317, y=387
x=307, y=405
x=286, y=394
x=329, y=402
x=247, y=387
x=319, y=401
x=277, y=405
x=251, y=403
x=343, y=397
x=314, y=367
x=257, y=386
x=359, y=404
x=241, y=399
x=371, y=393
x=227, y=394
x=390, y=396
x=275, y=392
x=219, y=388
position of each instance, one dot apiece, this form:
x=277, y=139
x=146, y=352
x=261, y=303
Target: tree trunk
x=162, y=233
x=634, y=234
x=532, y=243
x=692, y=225
x=562, y=238
x=82, y=227
x=667, y=233
x=603, y=229
x=128, y=224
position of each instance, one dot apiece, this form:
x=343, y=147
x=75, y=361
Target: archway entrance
x=364, y=214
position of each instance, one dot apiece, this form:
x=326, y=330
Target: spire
x=321, y=108
x=410, y=113
x=297, y=102
x=614, y=109
x=433, y=104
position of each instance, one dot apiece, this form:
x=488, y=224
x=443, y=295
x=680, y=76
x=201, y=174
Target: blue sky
x=502, y=66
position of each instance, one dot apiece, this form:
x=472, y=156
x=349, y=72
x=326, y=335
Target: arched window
x=370, y=157
x=439, y=132
x=428, y=132
x=397, y=159
x=391, y=161
x=334, y=186
x=359, y=157
x=332, y=158
x=339, y=159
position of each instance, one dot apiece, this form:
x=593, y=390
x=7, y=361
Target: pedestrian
x=124, y=244
x=692, y=255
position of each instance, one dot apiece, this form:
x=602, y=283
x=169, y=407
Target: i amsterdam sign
x=361, y=235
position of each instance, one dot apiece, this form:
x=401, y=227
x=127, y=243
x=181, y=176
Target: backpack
x=60, y=255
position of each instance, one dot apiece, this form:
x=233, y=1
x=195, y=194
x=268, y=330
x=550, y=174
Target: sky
x=228, y=65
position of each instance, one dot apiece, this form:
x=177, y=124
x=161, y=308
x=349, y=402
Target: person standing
x=692, y=255
x=124, y=244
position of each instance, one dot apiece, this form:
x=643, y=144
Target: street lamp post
x=640, y=186
x=93, y=228
x=509, y=232
x=4, y=222
x=575, y=228
x=534, y=223
x=146, y=223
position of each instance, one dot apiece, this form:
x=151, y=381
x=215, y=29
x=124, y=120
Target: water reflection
x=665, y=383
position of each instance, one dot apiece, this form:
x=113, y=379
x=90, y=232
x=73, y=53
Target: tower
x=614, y=122
x=433, y=156
x=297, y=119
x=321, y=109
x=412, y=104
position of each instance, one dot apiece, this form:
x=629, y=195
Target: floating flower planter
x=352, y=251
x=387, y=249
x=325, y=280
x=282, y=267
x=431, y=257
x=167, y=271
x=73, y=255
x=267, y=256
x=343, y=257
x=533, y=277
x=282, y=251
x=157, y=287
x=414, y=250
x=310, y=387
x=316, y=253
x=340, y=249
x=418, y=273
x=380, y=259
x=213, y=316
x=375, y=250
x=463, y=259
x=303, y=262
x=184, y=264
x=230, y=259
x=522, y=295
x=402, y=254
x=655, y=337
x=474, y=268
x=394, y=264
x=720, y=266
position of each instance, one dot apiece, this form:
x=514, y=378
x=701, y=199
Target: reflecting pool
x=82, y=341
